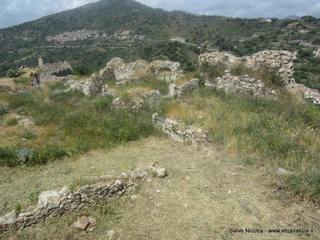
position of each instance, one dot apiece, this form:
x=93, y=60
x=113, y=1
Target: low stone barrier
x=181, y=133
x=57, y=203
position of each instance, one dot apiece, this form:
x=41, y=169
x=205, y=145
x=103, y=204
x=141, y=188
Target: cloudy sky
x=17, y=11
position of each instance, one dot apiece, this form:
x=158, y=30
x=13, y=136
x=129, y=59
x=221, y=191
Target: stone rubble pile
x=181, y=133
x=127, y=72
x=57, y=203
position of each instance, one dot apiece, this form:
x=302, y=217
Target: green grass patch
x=281, y=133
x=77, y=124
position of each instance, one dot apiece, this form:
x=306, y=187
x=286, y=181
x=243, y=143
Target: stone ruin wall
x=181, y=133
x=243, y=85
x=278, y=59
x=57, y=203
x=125, y=72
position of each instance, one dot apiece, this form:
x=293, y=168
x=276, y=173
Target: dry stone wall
x=181, y=133
x=57, y=203
x=243, y=85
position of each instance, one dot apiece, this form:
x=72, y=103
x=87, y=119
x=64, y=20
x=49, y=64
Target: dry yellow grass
x=206, y=193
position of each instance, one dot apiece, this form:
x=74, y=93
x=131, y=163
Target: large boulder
x=51, y=199
x=8, y=218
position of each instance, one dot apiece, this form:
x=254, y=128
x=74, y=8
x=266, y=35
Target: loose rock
x=82, y=223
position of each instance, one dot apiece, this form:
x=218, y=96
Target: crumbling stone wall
x=126, y=72
x=181, y=133
x=57, y=203
x=281, y=60
x=89, y=87
x=219, y=57
x=243, y=85
x=278, y=59
x=187, y=87
x=54, y=71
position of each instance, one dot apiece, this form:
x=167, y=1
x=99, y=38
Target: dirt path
x=206, y=194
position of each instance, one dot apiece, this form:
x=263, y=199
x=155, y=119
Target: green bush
x=103, y=104
x=22, y=99
x=212, y=71
x=23, y=80
x=13, y=73
x=12, y=122
x=305, y=52
x=25, y=156
x=29, y=135
x=3, y=110
x=7, y=157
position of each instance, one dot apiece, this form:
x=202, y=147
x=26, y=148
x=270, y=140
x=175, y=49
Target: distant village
x=121, y=35
x=80, y=35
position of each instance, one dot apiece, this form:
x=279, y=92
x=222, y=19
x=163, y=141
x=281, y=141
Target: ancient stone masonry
x=57, y=203
x=187, y=87
x=243, y=85
x=280, y=60
x=166, y=70
x=136, y=100
x=123, y=72
x=89, y=87
x=181, y=133
x=317, y=53
x=219, y=57
x=54, y=71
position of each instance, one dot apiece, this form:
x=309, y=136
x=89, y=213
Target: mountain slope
x=23, y=44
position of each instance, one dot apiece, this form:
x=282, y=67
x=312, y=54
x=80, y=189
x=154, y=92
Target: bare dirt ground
x=207, y=193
